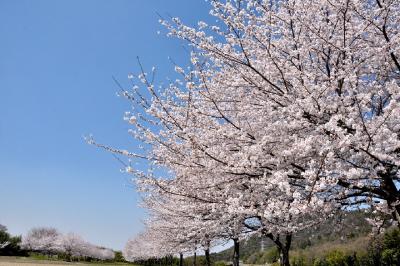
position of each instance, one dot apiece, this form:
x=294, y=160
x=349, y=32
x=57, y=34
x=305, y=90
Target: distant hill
x=343, y=228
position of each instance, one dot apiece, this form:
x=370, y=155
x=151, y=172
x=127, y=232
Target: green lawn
x=20, y=261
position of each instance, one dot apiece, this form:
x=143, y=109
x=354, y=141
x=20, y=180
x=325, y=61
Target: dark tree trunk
x=396, y=215
x=194, y=259
x=207, y=254
x=235, y=252
x=284, y=257
x=283, y=248
x=180, y=259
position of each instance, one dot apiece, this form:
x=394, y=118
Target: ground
x=15, y=261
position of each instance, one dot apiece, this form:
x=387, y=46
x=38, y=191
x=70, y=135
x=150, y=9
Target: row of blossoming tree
x=50, y=241
x=288, y=112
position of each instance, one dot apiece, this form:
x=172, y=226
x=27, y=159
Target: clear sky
x=57, y=59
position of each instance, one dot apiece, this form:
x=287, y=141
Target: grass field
x=17, y=261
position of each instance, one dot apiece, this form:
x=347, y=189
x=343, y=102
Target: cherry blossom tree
x=180, y=225
x=51, y=241
x=43, y=239
x=104, y=253
x=288, y=112
x=75, y=246
x=326, y=92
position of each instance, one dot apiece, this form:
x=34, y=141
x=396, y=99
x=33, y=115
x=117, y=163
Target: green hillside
x=344, y=240
x=344, y=228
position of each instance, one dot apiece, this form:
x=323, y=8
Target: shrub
x=391, y=248
x=220, y=263
x=253, y=258
x=270, y=256
x=300, y=260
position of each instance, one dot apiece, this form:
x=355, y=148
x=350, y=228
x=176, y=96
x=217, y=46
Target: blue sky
x=57, y=59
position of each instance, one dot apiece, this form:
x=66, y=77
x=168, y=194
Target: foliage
x=220, y=263
x=9, y=245
x=391, y=247
x=271, y=255
x=382, y=250
x=119, y=257
x=360, y=249
x=346, y=227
